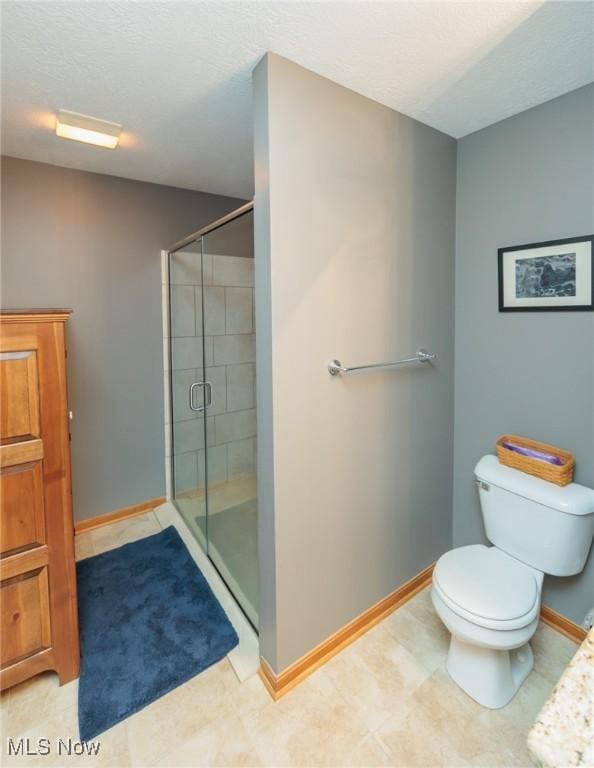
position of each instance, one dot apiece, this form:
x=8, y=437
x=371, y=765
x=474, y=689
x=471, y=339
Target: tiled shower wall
x=229, y=353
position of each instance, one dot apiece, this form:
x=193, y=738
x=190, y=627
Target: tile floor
x=386, y=700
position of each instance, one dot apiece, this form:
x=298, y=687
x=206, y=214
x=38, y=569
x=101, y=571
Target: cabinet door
x=25, y=627
x=22, y=522
x=25, y=616
x=19, y=388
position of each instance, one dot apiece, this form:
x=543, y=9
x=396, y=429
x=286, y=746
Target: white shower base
x=245, y=657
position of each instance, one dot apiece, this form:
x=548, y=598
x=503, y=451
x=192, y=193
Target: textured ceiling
x=177, y=74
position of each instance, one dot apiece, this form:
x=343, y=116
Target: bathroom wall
x=92, y=242
x=229, y=354
x=529, y=178
x=354, y=231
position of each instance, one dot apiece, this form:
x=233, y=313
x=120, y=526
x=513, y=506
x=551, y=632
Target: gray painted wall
x=355, y=225
x=92, y=243
x=527, y=179
x=267, y=591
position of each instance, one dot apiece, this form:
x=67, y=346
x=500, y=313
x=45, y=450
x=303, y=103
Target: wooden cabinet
x=38, y=611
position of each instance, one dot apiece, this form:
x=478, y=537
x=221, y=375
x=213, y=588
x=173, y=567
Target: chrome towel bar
x=335, y=366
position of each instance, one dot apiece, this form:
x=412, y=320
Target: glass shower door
x=230, y=350
x=191, y=394
x=213, y=400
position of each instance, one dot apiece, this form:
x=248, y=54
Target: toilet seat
x=487, y=587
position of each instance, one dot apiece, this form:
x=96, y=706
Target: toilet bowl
x=490, y=604
x=489, y=597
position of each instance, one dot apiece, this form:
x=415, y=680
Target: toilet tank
x=544, y=525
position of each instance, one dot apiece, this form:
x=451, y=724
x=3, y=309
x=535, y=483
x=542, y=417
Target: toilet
x=489, y=596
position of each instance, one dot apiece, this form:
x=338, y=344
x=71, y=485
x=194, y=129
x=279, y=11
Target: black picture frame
x=546, y=244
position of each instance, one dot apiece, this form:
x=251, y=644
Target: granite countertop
x=563, y=734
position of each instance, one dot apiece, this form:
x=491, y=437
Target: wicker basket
x=552, y=473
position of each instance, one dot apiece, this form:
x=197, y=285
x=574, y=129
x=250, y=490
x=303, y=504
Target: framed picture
x=546, y=277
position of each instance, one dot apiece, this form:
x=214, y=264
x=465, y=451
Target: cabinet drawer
x=25, y=626
x=22, y=522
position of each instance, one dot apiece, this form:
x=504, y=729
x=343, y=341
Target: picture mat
x=583, y=275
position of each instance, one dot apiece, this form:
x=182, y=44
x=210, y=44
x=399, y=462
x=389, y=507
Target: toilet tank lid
x=573, y=499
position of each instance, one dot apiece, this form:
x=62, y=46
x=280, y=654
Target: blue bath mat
x=148, y=623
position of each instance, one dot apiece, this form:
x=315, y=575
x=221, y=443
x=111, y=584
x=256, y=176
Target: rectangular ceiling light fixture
x=72, y=125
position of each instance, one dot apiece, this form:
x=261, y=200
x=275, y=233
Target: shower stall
x=212, y=388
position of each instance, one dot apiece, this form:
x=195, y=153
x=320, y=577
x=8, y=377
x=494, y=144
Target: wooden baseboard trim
x=278, y=685
x=119, y=514
x=563, y=625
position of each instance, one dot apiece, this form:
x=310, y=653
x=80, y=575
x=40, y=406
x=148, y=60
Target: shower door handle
x=194, y=386
x=207, y=399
